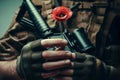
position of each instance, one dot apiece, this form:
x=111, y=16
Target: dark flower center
x=61, y=15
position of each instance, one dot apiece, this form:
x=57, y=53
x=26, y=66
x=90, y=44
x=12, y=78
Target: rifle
x=77, y=40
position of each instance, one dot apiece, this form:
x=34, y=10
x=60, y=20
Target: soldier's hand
x=38, y=63
x=85, y=67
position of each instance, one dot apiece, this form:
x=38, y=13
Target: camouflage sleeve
x=12, y=42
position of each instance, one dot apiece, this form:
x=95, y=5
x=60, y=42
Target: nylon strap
x=104, y=31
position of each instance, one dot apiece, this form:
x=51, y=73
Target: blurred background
x=7, y=11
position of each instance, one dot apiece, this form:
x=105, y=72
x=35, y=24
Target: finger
x=50, y=55
x=79, y=68
x=67, y=72
x=70, y=78
x=79, y=57
x=56, y=55
x=75, y=72
x=39, y=44
x=37, y=57
x=53, y=42
x=50, y=74
x=78, y=65
x=63, y=78
x=56, y=65
x=36, y=45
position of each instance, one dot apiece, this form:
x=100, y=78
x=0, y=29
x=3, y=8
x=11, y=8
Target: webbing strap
x=103, y=33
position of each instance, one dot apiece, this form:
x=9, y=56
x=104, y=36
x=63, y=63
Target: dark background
x=7, y=11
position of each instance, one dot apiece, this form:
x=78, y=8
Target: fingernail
x=64, y=41
x=67, y=61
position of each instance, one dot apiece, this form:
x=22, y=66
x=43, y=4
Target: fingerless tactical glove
x=29, y=63
x=87, y=67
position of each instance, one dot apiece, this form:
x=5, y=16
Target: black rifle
x=77, y=41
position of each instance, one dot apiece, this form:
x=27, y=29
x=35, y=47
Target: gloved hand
x=38, y=63
x=85, y=67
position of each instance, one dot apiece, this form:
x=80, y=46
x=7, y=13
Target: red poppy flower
x=61, y=13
